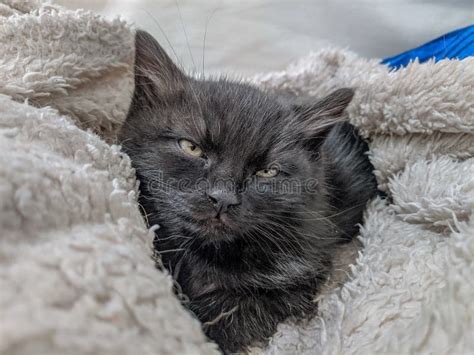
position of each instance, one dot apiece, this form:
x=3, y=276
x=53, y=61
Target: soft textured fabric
x=76, y=268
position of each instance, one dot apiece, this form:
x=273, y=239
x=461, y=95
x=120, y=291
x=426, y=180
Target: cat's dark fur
x=264, y=256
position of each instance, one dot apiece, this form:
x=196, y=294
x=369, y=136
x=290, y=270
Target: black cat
x=253, y=192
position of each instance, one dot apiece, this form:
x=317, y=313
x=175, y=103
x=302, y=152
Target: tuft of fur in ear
x=156, y=76
x=316, y=120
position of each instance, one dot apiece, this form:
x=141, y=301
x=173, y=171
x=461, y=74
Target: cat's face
x=219, y=160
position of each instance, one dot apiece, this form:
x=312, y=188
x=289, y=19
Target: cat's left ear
x=316, y=120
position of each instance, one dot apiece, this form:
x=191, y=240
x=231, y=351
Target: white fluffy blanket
x=76, y=274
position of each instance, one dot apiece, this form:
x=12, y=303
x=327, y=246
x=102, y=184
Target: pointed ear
x=156, y=76
x=315, y=121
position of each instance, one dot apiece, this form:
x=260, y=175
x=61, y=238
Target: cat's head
x=220, y=160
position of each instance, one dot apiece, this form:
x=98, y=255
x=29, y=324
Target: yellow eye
x=267, y=173
x=190, y=148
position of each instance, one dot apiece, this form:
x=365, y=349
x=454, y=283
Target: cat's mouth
x=217, y=227
x=217, y=223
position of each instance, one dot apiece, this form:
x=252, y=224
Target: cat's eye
x=267, y=173
x=190, y=148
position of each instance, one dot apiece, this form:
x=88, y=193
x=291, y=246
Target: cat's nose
x=222, y=199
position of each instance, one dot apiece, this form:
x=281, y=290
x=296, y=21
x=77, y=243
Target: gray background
x=250, y=36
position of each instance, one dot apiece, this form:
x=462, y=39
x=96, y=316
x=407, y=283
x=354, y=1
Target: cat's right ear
x=316, y=120
x=156, y=76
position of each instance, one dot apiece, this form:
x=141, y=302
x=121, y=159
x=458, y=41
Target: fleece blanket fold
x=76, y=268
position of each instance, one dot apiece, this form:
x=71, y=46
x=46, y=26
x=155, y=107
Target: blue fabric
x=458, y=44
